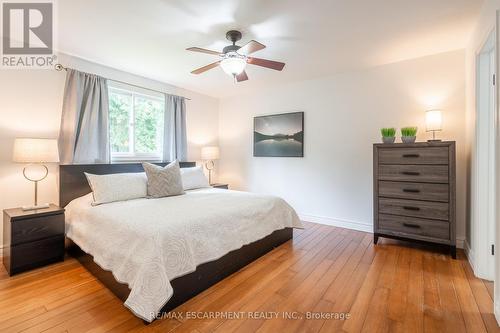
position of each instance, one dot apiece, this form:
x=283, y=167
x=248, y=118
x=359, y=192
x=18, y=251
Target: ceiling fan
x=234, y=58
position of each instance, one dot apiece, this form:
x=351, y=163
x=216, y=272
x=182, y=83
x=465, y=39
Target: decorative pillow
x=117, y=187
x=163, y=182
x=193, y=178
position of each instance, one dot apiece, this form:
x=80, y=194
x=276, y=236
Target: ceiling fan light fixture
x=234, y=58
x=233, y=63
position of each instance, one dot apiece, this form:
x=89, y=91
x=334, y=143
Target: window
x=135, y=123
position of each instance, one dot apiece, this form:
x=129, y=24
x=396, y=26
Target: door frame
x=485, y=148
x=496, y=291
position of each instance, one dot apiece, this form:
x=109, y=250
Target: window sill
x=132, y=159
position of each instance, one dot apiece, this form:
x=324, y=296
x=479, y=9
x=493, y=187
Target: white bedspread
x=146, y=243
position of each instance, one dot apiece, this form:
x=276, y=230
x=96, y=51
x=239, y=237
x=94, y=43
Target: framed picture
x=279, y=135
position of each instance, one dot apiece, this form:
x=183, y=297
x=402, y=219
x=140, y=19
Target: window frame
x=132, y=155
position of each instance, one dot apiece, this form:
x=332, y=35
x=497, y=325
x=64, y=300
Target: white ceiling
x=314, y=37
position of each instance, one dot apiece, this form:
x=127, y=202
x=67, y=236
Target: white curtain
x=175, y=137
x=84, y=133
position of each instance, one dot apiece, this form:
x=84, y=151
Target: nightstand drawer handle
x=411, y=173
x=411, y=208
x=411, y=155
x=410, y=225
x=411, y=190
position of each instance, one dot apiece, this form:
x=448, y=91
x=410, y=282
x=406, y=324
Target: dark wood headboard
x=73, y=183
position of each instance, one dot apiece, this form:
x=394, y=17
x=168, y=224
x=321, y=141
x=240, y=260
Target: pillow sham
x=193, y=178
x=163, y=182
x=117, y=187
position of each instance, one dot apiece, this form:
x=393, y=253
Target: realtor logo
x=28, y=34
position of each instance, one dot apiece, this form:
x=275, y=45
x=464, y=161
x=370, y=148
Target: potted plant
x=388, y=135
x=409, y=134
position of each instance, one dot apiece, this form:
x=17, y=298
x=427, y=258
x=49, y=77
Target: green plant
x=409, y=131
x=388, y=132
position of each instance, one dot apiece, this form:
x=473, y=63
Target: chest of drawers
x=414, y=192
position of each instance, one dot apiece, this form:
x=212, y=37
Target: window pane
x=120, y=105
x=148, y=125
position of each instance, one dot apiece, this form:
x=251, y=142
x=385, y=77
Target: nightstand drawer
x=28, y=230
x=416, y=191
x=35, y=254
x=221, y=186
x=429, y=155
x=414, y=173
x=404, y=226
x=424, y=209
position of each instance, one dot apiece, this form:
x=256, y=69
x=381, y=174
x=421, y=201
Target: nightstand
x=32, y=238
x=223, y=186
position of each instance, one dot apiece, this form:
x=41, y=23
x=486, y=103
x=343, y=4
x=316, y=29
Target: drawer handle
x=411, y=155
x=411, y=225
x=411, y=190
x=411, y=208
x=411, y=173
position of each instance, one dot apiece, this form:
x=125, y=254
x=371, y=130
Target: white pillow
x=193, y=178
x=117, y=187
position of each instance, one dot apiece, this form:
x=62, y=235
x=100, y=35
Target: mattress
x=146, y=243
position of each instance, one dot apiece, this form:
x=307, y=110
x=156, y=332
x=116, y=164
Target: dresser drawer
x=28, y=230
x=424, y=209
x=35, y=254
x=409, y=226
x=416, y=191
x=429, y=155
x=414, y=173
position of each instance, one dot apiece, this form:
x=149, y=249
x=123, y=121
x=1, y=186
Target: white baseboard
x=470, y=255
x=354, y=225
x=366, y=227
x=496, y=310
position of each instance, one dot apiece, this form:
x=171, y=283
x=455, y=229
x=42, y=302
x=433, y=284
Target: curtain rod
x=59, y=67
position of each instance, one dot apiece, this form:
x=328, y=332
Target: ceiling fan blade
x=266, y=63
x=241, y=77
x=206, y=68
x=251, y=47
x=199, y=49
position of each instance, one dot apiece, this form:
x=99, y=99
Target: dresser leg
x=453, y=252
x=375, y=238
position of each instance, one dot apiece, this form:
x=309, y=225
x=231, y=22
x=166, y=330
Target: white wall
x=30, y=106
x=485, y=24
x=343, y=114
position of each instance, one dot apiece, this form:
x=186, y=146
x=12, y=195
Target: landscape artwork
x=280, y=135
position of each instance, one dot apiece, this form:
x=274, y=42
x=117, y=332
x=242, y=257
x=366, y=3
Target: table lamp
x=35, y=152
x=209, y=154
x=434, y=123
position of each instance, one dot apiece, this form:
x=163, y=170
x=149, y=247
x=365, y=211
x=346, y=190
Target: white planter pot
x=408, y=139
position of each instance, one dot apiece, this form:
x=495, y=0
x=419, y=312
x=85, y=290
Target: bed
x=155, y=254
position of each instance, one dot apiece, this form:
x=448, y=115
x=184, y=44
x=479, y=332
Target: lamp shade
x=210, y=153
x=35, y=151
x=434, y=120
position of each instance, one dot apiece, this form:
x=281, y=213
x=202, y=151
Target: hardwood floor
x=325, y=270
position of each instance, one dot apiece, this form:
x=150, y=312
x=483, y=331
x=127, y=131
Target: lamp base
x=42, y=206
